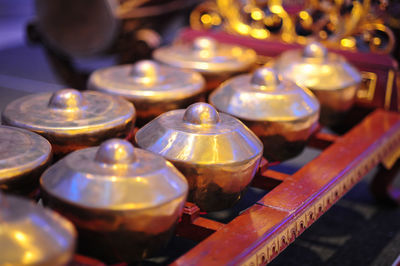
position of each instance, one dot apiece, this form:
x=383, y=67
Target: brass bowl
x=72, y=120
x=24, y=156
x=125, y=202
x=215, y=61
x=329, y=76
x=33, y=235
x=152, y=88
x=278, y=111
x=217, y=154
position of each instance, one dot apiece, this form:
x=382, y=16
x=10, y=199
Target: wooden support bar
x=268, y=179
x=265, y=229
x=208, y=223
x=275, y=175
x=194, y=227
x=322, y=140
x=226, y=246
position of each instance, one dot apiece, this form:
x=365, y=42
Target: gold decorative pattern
x=341, y=24
x=273, y=245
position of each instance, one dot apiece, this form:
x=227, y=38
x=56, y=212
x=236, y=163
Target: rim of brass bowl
x=317, y=69
x=147, y=80
x=264, y=96
x=31, y=229
x=23, y=157
x=21, y=151
x=68, y=112
x=199, y=126
x=207, y=56
x=133, y=178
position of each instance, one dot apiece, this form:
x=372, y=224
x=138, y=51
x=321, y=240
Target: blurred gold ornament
x=350, y=24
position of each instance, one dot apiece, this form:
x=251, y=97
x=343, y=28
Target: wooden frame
x=264, y=230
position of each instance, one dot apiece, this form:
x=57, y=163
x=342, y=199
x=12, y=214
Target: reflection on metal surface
x=282, y=114
x=71, y=120
x=207, y=56
x=216, y=61
x=32, y=235
x=151, y=87
x=216, y=153
x=342, y=24
x=329, y=76
x=23, y=157
x=124, y=201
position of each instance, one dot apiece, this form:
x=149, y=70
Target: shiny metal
x=216, y=153
x=216, y=61
x=124, y=201
x=278, y=111
x=72, y=120
x=24, y=155
x=33, y=235
x=207, y=56
x=329, y=76
x=151, y=87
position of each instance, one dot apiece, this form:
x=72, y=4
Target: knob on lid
x=204, y=43
x=205, y=47
x=146, y=71
x=264, y=96
x=265, y=78
x=66, y=99
x=201, y=114
x=315, y=50
x=115, y=176
x=32, y=235
x=206, y=55
x=115, y=151
x=199, y=135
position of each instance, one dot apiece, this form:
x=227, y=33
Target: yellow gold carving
x=268, y=19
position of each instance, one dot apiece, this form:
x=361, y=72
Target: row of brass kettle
x=125, y=201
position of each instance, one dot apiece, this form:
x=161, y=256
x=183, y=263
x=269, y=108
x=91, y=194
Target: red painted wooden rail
x=261, y=232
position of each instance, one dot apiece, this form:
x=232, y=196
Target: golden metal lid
x=207, y=56
x=264, y=96
x=147, y=79
x=33, y=235
x=68, y=112
x=114, y=176
x=199, y=135
x=317, y=69
x=21, y=151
